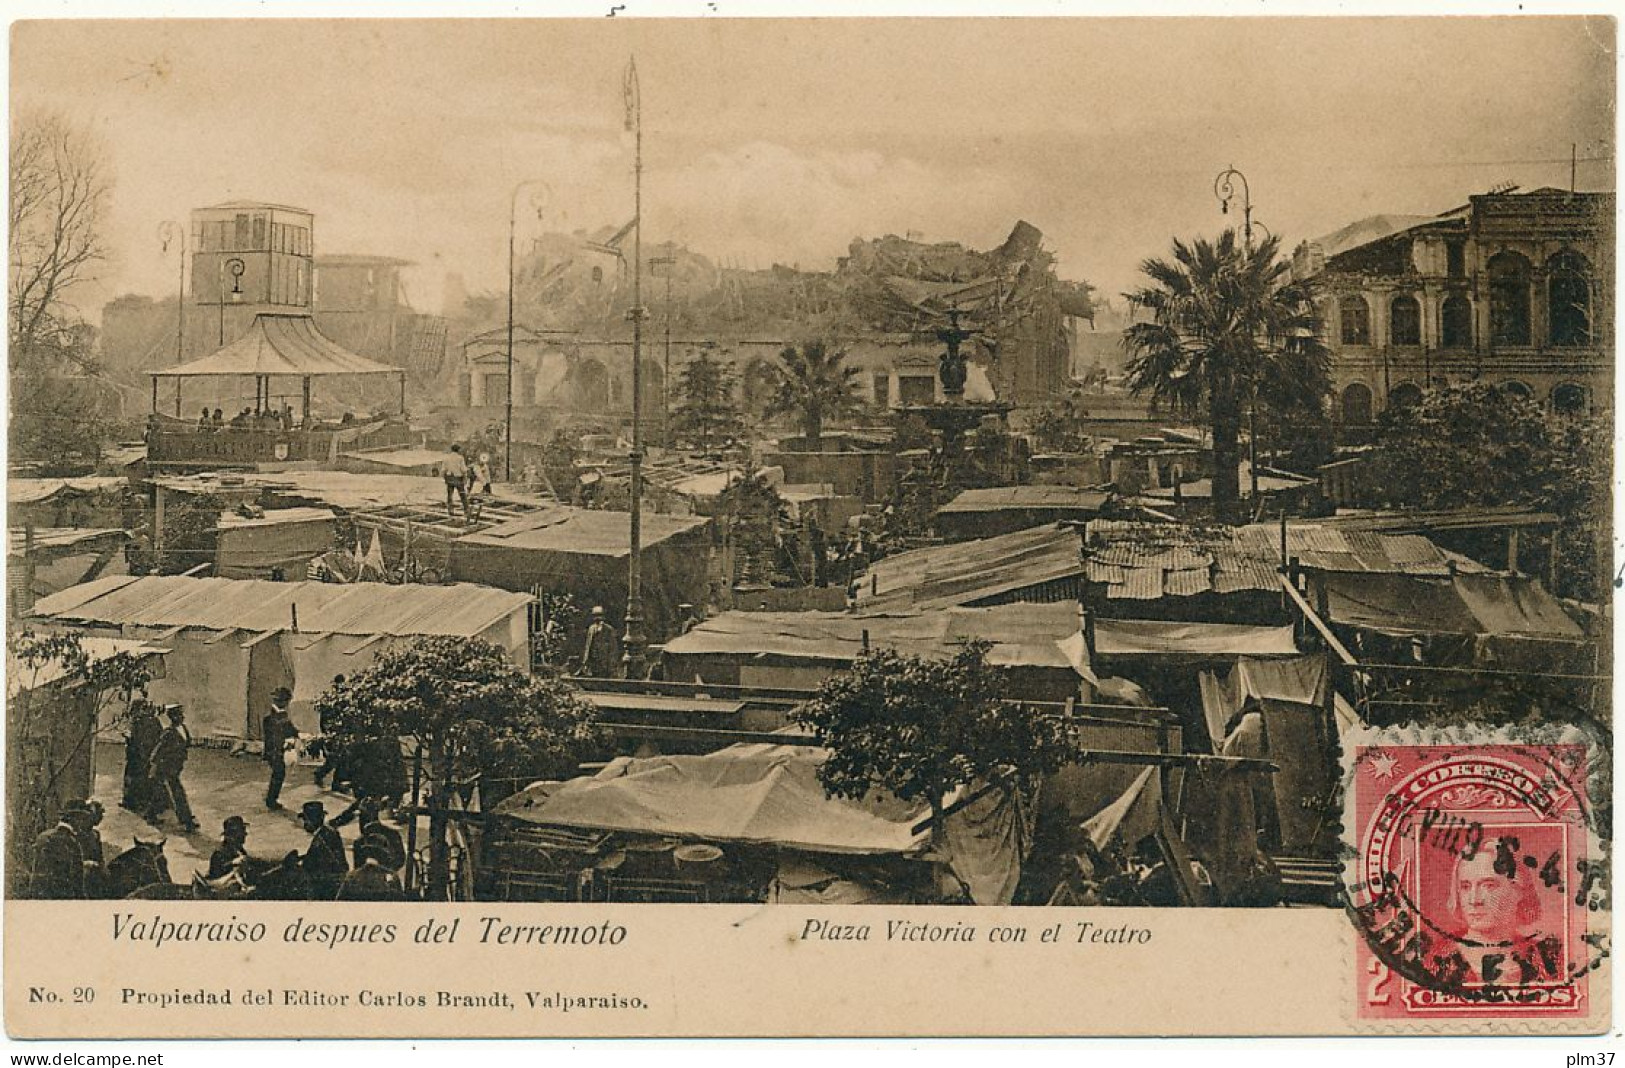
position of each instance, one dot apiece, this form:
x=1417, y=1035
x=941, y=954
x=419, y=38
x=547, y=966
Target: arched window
x=1405, y=395
x=1509, y=299
x=1569, y=399
x=1405, y=321
x=1568, y=300
x=1517, y=389
x=1355, y=318
x=1357, y=405
x=1456, y=323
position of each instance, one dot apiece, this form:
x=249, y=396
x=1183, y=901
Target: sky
x=784, y=140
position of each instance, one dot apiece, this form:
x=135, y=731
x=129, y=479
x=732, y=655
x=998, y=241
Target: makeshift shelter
x=984, y=513
x=1039, y=645
x=1038, y=564
x=235, y=641
x=759, y=795
x=41, y=561
x=278, y=545
x=1462, y=619
x=98, y=501
x=1296, y=730
x=584, y=552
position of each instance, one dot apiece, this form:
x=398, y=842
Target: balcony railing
x=175, y=442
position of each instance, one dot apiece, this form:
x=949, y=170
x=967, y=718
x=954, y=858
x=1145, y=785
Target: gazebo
x=284, y=345
x=275, y=345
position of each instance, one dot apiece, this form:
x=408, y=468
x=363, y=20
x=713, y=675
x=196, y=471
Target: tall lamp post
x=669, y=263
x=513, y=222
x=170, y=232
x=633, y=641
x=1224, y=187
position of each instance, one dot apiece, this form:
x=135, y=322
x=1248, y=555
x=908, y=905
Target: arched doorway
x=1517, y=389
x=1405, y=322
x=1405, y=395
x=1569, y=399
x=589, y=385
x=1456, y=322
x=1357, y=405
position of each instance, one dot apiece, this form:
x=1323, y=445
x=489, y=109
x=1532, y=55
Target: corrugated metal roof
x=945, y=575
x=1002, y=498
x=565, y=529
x=30, y=490
x=1186, y=582
x=246, y=604
x=1022, y=635
x=1144, y=561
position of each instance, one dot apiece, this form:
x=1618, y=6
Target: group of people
x=249, y=419
x=68, y=858
x=465, y=478
x=154, y=757
x=324, y=871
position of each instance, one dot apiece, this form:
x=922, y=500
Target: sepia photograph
x=1042, y=470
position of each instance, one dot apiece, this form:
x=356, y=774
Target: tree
x=920, y=729
x=59, y=190
x=814, y=385
x=1476, y=446
x=706, y=412
x=1226, y=329
x=45, y=743
x=191, y=535
x=472, y=714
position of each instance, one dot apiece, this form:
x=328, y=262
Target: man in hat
x=139, y=743
x=687, y=618
x=164, y=771
x=276, y=731
x=601, y=658
x=59, y=861
x=233, y=848
x=324, y=862
x=90, y=847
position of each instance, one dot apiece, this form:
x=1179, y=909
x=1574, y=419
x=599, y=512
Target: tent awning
x=280, y=344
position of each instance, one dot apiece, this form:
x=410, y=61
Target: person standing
x=454, y=471
x=90, y=847
x=164, y=771
x=333, y=761
x=276, y=731
x=601, y=658
x=233, y=848
x=324, y=862
x=138, y=746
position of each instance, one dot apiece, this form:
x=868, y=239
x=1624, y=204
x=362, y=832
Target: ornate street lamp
x=633, y=641
x=513, y=211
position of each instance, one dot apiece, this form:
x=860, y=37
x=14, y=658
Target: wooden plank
x=256, y=639
x=1313, y=619
x=222, y=636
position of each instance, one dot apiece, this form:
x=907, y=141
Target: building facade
x=1513, y=288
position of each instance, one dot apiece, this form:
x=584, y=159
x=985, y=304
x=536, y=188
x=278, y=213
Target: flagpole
x=633, y=642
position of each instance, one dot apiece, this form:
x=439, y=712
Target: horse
x=142, y=871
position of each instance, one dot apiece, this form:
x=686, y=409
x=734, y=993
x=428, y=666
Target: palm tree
x=815, y=384
x=1227, y=327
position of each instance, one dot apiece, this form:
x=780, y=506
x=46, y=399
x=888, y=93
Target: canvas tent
x=584, y=552
x=1037, y=643
x=1295, y=729
x=283, y=541
x=234, y=641
x=769, y=795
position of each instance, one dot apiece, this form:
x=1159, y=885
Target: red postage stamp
x=1471, y=883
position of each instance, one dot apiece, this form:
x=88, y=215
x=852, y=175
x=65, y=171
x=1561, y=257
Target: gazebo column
x=177, y=398
x=154, y=394
x=403, y=393
x=304, y=412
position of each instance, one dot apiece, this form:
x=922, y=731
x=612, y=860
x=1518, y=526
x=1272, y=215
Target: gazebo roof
x=280, y=344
